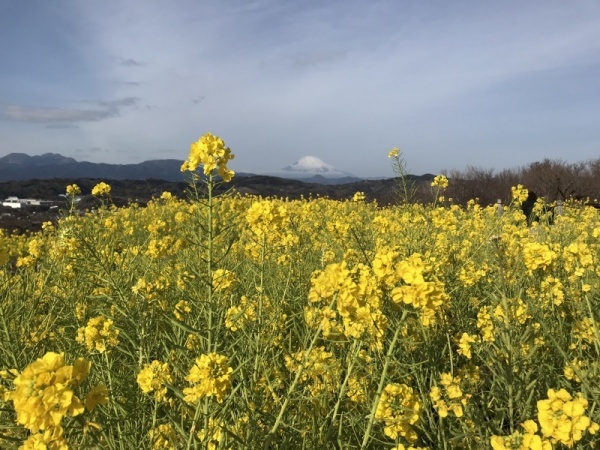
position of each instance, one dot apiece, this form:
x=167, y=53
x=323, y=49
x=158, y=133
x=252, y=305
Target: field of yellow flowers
x=250, y=323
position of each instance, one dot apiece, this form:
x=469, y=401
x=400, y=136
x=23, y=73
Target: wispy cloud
x=129, y=62
x=62, y=117
x=61, y=126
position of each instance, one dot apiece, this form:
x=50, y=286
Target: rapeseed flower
x=440, y=181
x=182, y=309
x=485, y=324
x=537, y=256
x=211, y=153
x=153, y=379
x=41, y=441
x=394, y=152
x=464, y=344
x=73, y=190
x=575, y=368
x=358, y=197
x=101, y=190
x=357, y=300
x=320, y=369
x=164, y=437
x=562, y=417
x=44, y=396
x=519, y=193
x=223, y=280
x=399, y=408
x=99, y=334
x=211, y=437
x=96, y=396
x=449, y=398
x=528, y=440
x=211, y=376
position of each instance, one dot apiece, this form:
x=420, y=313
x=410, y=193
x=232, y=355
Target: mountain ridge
x=21, y=166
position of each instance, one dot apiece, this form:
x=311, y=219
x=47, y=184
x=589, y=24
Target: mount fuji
x=315, y=170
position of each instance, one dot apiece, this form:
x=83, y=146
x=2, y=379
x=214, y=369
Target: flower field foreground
x=249, y=323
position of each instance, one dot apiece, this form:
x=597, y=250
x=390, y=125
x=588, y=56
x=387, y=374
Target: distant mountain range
x=20, y=166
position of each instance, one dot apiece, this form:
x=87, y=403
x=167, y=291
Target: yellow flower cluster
x=268, y=222
x=384, y=266
x=153, y=378
x=211, y=376
x=356, y=298
x=528, y=440
x=537, y=256
x=223, y=280
x=212, y=437
x=73, y=190
x=237, y=317
x=164, y=437
x=399, y=408
x=101, y=190
x=584, y=333
x=562, y=417
x=99, y=334
x=320, y=369
x=44, y=395
x=450, y=398
x=393, y=153
x=182, y=309
x=486, y=324
x=440, y=181
x=575, y=370
x=519, y=193
x=211, y=153
x=577, y=258
x=511, y=311
x=266, y=217
x=427, y=297
x=358, y=197
x=464, y=344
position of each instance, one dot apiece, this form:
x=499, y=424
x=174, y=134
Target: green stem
x=114, y=408
x=353, y=353
x=381, y=385
x=260, y=307
x=299, y=373
x=209, y=274
x=193, y=428
x=209, y=267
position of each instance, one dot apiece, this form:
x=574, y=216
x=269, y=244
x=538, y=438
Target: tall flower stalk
x=405, y=188
x=211, y=153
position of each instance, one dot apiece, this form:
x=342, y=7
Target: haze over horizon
x=490, y=84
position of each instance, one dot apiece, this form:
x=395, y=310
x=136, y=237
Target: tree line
x=551, y=179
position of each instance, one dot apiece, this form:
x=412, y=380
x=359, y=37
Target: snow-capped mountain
x=309, y=167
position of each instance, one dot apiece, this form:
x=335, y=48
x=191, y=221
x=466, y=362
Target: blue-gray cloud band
x=57, y=116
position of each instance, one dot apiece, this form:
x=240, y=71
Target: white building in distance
x=16, y=202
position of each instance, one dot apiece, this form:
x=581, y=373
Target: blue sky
x=493, y=84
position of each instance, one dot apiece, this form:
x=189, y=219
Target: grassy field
x=227, y=322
